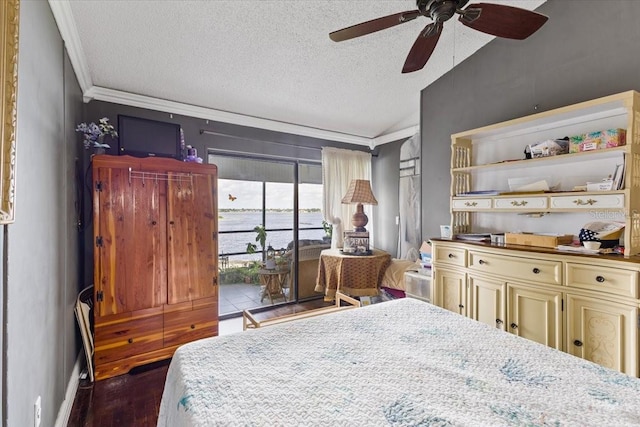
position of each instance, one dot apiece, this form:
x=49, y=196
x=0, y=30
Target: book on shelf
x=618, y=177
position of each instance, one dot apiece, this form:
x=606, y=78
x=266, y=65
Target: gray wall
x=230, y=138
x=42, y=245
x=586, y=50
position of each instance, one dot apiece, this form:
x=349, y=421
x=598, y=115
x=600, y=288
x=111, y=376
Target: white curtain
x=339, y=167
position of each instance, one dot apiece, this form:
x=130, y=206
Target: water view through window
x=243, y=220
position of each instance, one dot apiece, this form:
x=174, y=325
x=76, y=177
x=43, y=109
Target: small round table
x=273, y=281
x=353, y=275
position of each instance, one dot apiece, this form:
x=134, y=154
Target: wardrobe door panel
x=192, y=237
x=130, y=242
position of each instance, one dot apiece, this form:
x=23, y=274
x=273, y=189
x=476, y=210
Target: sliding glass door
x=261, y=208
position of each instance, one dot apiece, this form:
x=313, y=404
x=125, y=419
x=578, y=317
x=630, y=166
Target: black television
x=144, y=137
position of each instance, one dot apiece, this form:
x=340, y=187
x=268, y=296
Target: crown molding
x=141, y=101
x=61, y=10
x=395, y=136
x=157, y=104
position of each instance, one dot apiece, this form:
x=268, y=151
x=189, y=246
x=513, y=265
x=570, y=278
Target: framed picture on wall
x=10, y=14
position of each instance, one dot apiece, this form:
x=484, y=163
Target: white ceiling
x=261, y=63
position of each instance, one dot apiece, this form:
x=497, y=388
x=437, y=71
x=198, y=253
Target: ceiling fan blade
x=502, y=21
x=422, y=48
x=374, y=25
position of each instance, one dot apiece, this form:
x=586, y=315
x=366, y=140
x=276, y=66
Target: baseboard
x=72, y=387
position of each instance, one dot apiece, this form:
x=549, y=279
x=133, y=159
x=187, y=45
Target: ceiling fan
x=495, y=19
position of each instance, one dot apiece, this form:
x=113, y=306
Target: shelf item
x=485, y=170
x=597, y=140
x=479, y=193
x=579, y=249
x=541, y=240
x=474, y=237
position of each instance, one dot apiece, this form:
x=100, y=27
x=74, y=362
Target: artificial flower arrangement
x=93, y=134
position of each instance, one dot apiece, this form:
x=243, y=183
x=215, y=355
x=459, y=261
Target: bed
x=398, y=363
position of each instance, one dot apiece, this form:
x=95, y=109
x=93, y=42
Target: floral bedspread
x=398, y=363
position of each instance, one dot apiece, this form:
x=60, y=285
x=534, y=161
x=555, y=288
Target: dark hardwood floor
x=133, y=399
x=127, y=400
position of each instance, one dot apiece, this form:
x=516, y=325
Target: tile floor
x=234, y=298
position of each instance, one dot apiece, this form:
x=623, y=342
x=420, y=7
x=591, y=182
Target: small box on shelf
x=597, y=140
x=541, y=240
x=604, y=185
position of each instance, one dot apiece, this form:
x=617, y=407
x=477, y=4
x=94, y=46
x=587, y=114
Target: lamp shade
x=359, y=192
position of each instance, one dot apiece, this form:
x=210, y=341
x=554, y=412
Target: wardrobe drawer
x=514, y=268
x=450, y=256
x=185, y=326
x=119, y=340
x=611, y=280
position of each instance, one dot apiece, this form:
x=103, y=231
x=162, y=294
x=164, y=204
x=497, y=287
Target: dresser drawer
x=181, y=327
x=515, y=268
x=470, y=204
x=598, y=201
x=119, y=340
x=450, y=256
x=611, y=280
x=521, y=203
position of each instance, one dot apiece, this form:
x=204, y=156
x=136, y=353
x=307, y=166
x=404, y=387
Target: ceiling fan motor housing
x=440, y=10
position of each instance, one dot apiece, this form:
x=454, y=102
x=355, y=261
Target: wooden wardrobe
x=155, y=224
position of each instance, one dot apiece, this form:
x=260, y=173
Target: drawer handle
x=471, y=204
x=481, y=262
x=519, y=203
x=599, y=279
x=193, y=326
x=536, y=270
x=514, y=326
x=581, y=202
x=577, y=343
x=452, y=256
x=130, y=340
x=499, y=322
x=460, y=306
x=153, y=222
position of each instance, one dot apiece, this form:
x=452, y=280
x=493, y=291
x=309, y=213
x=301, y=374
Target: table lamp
x=360, y=193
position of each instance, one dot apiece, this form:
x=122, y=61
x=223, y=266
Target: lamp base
x=359, y=219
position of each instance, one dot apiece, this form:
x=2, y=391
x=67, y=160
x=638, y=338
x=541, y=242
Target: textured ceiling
x=263, y=59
